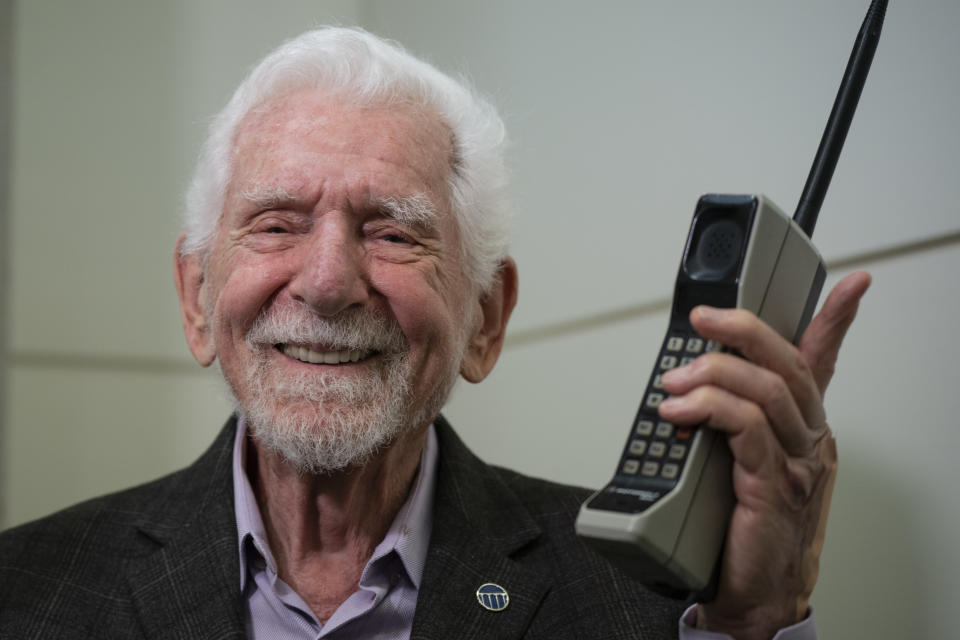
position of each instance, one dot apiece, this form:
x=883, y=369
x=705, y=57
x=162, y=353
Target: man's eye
x=275, y=230
x=396, y=238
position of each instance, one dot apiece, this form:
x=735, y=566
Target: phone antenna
x=840, y=117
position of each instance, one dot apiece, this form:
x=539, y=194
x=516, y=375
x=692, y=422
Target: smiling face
x=333, y=295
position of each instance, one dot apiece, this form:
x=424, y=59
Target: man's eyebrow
x=415, y=211
x=267, y=197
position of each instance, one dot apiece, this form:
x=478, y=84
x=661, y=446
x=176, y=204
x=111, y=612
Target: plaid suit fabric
x=160, y=561
x=156, y=561
x=495, y=525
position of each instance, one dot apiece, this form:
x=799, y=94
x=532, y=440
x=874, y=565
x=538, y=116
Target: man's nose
x=332, y=273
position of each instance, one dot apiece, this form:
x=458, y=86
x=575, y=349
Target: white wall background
x=622, y=114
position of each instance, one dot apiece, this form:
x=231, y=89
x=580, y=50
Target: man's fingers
x=744, y=332
x=821, y=341
x=751, y=382
x=750, y=436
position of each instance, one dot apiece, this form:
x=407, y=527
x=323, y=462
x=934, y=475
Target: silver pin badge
x=492, y=597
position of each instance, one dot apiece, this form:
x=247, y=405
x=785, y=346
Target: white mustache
x=354, y=329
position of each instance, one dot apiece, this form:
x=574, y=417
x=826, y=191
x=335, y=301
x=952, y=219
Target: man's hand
x=770, y=404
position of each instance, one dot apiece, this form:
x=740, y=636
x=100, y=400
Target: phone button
x=670, y=471
x=668, y=362
x=630, y=467
x=638, y=447
x=644, y=427
x=650, y=469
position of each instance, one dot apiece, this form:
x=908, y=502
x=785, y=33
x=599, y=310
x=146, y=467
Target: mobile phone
x=663, y=516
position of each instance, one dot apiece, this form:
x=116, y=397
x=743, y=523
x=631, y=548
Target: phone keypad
x=657, y=448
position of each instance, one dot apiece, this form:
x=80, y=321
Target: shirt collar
x=408, y=535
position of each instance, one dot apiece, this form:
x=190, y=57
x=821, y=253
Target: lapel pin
x=493, y=597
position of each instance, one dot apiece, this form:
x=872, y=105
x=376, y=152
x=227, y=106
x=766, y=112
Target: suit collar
x=473, y=494
x=479, y=527
x=189, y=585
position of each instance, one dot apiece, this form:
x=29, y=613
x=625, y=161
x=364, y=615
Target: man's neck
x=323, y=529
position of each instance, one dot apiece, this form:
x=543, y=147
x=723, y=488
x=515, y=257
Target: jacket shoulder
x=546, y=501
x=68, y=570
x=100, y=534
x=73, y=567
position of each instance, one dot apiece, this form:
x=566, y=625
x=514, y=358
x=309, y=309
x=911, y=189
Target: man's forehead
x=279, y=145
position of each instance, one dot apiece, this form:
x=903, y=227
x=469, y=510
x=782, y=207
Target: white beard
x=325, y=423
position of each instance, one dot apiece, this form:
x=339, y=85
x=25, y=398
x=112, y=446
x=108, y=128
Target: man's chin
x=322, y=440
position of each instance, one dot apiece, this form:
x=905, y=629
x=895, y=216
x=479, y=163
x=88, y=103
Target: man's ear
x=188, y=276
x=495, y=308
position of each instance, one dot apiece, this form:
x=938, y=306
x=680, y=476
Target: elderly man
x=344, y=260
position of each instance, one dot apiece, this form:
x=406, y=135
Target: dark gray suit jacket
x=160, y=561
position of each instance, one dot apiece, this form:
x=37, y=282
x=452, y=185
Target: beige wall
x=622, y=115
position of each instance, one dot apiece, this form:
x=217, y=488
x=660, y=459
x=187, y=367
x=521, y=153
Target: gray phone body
x=670, y=533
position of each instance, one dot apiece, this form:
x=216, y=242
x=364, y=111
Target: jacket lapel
x=478, y=526
x=189, y=585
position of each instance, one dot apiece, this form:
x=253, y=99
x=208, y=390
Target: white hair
x=367, y=70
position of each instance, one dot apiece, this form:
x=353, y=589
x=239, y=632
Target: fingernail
x=705, y=312
x=673, y=375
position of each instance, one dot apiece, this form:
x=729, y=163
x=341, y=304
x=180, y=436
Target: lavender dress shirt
x=383, y=605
